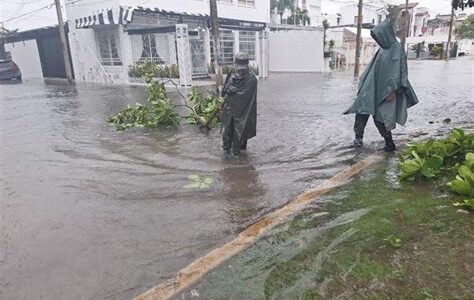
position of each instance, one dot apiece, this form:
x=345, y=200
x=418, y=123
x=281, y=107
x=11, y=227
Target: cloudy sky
x=28, y=14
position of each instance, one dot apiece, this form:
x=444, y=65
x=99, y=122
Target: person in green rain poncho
x=239, y=115
x=384, y=90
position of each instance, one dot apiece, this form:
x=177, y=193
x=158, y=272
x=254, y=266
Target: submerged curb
x=197, y=269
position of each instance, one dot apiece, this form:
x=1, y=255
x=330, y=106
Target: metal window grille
x=247, y=40
x=108, y=47
x=227, y=46
x=247, y=2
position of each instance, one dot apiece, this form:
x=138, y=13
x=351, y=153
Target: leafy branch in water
x=205, y=110
x=160, y=111
x=429, y=158
x=452, y=156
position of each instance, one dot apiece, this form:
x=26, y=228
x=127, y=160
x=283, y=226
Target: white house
x=108, y=36
x=314, y=10
x=345, y=13
x=420, y=23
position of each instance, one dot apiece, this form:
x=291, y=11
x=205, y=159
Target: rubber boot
x=389, y=144
x=244, y=145
x=358, y=143
x=359, y=126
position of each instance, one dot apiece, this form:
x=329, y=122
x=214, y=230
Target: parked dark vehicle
x=9, y=70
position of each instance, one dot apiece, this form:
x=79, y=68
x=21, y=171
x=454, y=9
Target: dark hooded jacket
x=386, y=73
x=240, y=105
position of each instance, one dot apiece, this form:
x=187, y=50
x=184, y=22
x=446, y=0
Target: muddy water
x=90, y=213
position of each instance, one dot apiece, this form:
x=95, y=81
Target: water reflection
x=243, y=192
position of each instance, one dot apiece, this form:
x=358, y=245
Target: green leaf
x=434, y=162
x=417, y=158
x=464, y=172
x=394, y=241
x=194, y=177
x=428, y=172
x=470, y=156
x=195, y=185
x=409, y=167
x=203, y=185
x=460, y=186
x=208, y=180
x=469, y=203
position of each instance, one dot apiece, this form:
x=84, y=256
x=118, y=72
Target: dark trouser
x=230, y=139
x=361, y=122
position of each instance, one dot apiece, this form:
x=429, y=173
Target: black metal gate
x=51, y=56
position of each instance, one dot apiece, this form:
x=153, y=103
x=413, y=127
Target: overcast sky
x=11, y=11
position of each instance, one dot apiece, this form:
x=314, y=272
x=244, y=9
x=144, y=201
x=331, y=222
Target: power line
x=49, y=6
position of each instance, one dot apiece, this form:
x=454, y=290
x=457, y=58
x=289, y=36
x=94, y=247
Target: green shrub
x=154, y=70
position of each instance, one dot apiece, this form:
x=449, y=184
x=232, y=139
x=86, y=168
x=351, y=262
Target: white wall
x=296, y=51
x=86, y=61
x=25, y=54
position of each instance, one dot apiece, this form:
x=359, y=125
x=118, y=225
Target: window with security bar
x=247, y=2
x=247, y=40
x=151, y=47
x=227, y=46
x=108, y=46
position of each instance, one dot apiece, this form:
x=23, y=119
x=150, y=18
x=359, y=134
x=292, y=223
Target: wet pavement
x=91, y=213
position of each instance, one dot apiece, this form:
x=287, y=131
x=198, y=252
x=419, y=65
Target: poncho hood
x=384, y=34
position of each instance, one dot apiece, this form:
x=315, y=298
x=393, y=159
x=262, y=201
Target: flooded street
x=91, y=213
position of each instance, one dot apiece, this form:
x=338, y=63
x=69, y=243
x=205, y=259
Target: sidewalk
x=374, y=238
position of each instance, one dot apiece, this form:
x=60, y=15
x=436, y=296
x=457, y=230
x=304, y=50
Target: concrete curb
x=197, y=269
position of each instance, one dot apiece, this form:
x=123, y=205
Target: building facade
x=109, y=37
x=345, y=13
x=420, y=23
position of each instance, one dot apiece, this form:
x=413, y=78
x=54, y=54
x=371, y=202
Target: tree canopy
x=466, y=30
x=462, y=4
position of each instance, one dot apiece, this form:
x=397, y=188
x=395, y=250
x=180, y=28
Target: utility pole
x=216, y=43
x=64, y=44
x=406, y=26
x=451, y=24
x=358, y=39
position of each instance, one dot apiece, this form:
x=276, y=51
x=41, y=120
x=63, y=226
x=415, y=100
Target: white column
x=236, y=41
x=207, y=45
x=172, y=48
x=258, y=53
x=265, y=53
x=184, y=55
x=126, y=52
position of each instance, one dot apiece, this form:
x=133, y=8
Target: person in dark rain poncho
x=239, y=116
x=384, y=90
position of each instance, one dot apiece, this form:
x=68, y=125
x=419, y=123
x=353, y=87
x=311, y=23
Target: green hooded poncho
x=387, y=72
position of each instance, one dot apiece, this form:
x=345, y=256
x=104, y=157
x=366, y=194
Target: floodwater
x=91, y=213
